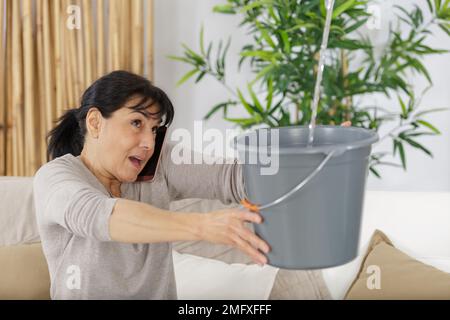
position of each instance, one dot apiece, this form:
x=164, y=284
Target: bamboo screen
x=51, y=51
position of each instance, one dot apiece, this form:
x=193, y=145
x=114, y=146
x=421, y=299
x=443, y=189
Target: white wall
x=178, y=21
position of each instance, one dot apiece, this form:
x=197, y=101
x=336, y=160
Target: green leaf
x=202, y=46
x=200, y=76
x=243, y=122
x=182, y=59
x=337, y=29
x=391, y=164
x=437, y=4
x=445, y=29
x=343, y=7
x=215, y=109
x=285, y=118
x=208, y=52
x=272, y=14
x=322, y=7
x=264, y=55
x=193, y=55
x=262, y=73
x=375, y=172
x=402, y=154
x=421, y=133
x=419, y=67
x=430, y=6
x=219, y=53
x=275, y=108
x=265, y=35
x=392, y=80
x=422, y=49
x=256, y=4
x=404, y=109
x=429, y=125
x=269, y=93
x=349, y=44
x=286, y=43
x=430, y=111
x=222, y=60
x=355, y=26
x=409, y=15
x=238, y=119
x=446, y=5
x=255, y=99
x=417, y=145
x=301, y=24
x=244, y=103
x=224, y=8
x=187, y=76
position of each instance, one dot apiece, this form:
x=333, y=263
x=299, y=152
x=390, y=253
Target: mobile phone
x=148, y=173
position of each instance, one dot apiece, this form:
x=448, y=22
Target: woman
x=105, y=233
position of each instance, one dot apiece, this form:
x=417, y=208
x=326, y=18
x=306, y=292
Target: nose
x=147, y=141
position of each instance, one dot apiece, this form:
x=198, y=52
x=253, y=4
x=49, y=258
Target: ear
x=93, y=122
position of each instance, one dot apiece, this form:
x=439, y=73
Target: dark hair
x=109, y=93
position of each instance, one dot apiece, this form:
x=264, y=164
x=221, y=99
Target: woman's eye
x=136, y=123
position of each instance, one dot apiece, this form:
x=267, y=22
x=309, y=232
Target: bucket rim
x=326, y=149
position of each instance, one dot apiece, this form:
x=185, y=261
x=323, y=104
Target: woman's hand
x=346, y=124
x=227, y=226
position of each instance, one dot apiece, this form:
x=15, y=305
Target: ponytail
x=65, y=137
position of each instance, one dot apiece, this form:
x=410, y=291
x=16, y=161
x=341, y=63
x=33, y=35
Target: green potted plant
x=283, y=57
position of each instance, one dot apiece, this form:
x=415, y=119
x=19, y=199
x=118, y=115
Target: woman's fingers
x=243, y=245
x=346, y=124
x=246, y=215
x=253, y=239
x=228, y=226
x=250, y=241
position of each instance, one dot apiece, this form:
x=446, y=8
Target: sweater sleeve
x=63, y=197
x=219, y=181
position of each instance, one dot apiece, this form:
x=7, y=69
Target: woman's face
x=127, y=140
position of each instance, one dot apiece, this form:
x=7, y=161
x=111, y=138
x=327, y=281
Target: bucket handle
x=245, y=203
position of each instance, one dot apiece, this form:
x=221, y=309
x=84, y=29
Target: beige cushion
x=399, y=275
x=289, y=284
x=17, y=217
x=24, y=273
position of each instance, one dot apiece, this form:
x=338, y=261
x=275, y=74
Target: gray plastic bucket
x=312, y=206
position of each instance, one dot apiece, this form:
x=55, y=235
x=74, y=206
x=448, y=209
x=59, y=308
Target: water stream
x=323, y=47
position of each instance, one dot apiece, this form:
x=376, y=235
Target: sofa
x=417, y=223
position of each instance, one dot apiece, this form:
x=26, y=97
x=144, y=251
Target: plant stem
x=210, y=71
x=227, y=87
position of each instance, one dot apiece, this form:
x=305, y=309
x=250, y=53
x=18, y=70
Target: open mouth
x=136, y=162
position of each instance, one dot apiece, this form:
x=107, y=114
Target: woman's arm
x=219, y=181
x=64, y=197
x=137, y=222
